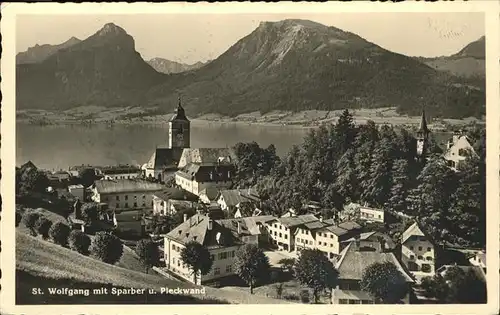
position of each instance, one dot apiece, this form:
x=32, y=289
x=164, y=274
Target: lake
x=61, y=146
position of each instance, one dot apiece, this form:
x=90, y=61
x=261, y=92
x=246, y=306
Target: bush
x=29, y=219
x=59, y=233
x=79, y=242
x=107, y=247
x=304, y=296
x=18, y=218
x=42, y=226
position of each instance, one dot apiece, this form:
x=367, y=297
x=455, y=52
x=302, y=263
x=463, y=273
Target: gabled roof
x=164, y=158
x=173, y=193
x=352, y=263
x=413, y=230
x=233, y=197
x=196, y=228
x=207, y=172
x=423, y=123
x=349, y=225
x=125, y=185
x=207, y=155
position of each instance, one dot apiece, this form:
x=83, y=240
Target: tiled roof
x=211, y=192
x=233, y=197
x=182, y=204
x=335, y=230
x=352, y=263
x=196, y=228
x=120, y=169
x=207, y=172
x=298, y=220
x=175, y=194
x=207, y=155
x=126, y=185
x=315, y=225
x=414, y=229
x=349, y=225
x=164, y=158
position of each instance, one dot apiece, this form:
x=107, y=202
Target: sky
x=190, y=38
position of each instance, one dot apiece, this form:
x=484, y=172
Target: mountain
x=168, y=66
x=470, y=62
x=104, y=69
x=287, y=65
x=39, y=53
x=300, y=65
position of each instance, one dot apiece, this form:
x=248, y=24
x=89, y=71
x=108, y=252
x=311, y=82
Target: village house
x=120, y=172
x=417, y=252
x=352, y=263
x=197, y=177
x=209, y=195
x=219, y=240
x=238, y=200
x=282, y=230
x=165, y=159
x=458, y=150
x=371, y=214
x=125, y=194
x=479, y=260
x=163, y=200
x=373, y=240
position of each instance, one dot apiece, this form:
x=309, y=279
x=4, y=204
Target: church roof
x=164, y=158
x=207, y=155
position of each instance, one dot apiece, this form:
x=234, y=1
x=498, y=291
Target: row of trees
x=104, y=246
x=344, y=162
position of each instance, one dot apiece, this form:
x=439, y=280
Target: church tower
x=179, y=129
x=422, y=137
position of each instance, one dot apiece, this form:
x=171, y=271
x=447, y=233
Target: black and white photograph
x=275, y=157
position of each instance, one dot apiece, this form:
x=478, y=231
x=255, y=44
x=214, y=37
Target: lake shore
x=90, y=115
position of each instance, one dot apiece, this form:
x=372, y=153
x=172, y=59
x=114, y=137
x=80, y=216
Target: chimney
x=321, y=219
x=239, y=227
x=210, y=224
x=357, y=241
x=185, y=217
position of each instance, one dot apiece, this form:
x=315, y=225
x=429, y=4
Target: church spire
x=423, y=123
x=180, y=114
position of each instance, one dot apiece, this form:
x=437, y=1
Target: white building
x=417, y=252
x=219, y=240
x=239, y=200
x=479, y=260
x=120, y=172
x=458, y=150
x=195, y=178
x=371, y=214
x=125, y=194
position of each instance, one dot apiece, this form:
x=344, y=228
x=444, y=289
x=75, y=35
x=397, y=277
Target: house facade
x=125, y=194
x=243, y=200
x=458, y=150
x=195, y=178
x=371, y=214
x=220, y=242
x=351, y=264
x=417, y=252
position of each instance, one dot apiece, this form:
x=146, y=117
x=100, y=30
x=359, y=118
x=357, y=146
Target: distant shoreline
x=93, y=115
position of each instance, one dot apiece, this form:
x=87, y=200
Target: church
x=165, y=159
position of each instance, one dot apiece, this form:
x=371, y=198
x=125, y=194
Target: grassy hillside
x=42, y=264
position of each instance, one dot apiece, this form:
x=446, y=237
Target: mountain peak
x=111, y=29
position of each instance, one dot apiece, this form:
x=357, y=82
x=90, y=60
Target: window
x=229, y=268
x=126, y=197
x=420, y=248
x=428, y=249
x=343, y=301
x=331, y=245
x=420, y=257
x=126, y=204
x=216, y=271
x=143, y=196
x=411, y=247
x=118, y=205
x=428, y=258
x=232, y=254
x=178, y=263
x=117, y=197
x=331, y=235
x=281, y=235
x=212, y=257
x=412, y=257
x=135, y=204
x=286, y=236
x=173, y=260
x=319, y=243
x=144, y=204
x=135, y=197
x=367, y=302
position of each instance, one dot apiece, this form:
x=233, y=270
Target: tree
x=88, y=177
x=400, y=186
x=148, y=253
x=346, y=130
x=251, y=264
x=18, y=218
x=197, y=257
x=107, y=247
x=29, y=219
x=59, y=233
x=465, y=286
x=32, y=180
x=42, y=226
x=90, y=212
x=314, y=270
x=79, y=242
x=435, y=287
x=384, y=282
